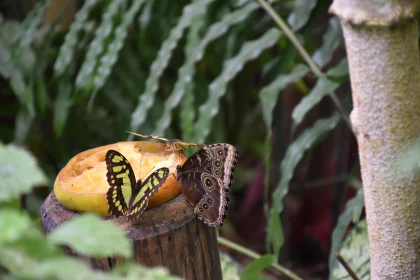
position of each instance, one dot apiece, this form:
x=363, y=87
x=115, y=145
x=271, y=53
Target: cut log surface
x=168, y=235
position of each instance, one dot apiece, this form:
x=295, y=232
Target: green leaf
x=355, y=251
x=41, y=93
x=13, y=224
x=68, y=48
x=182, y=87
x=269, y=94
x=61, y=107
x=194, y=52
x=18, y=85
x=253, y=269
x=275, y=234
x=145, y=15
x=340, y=72
x=230, y=267
x=6, y=65
x=294, y=154
x=133, y=271
x=63, y=268
x=301, y=13
x=103, y=33
x=147, y=98
x=89, y=235
x=184, y=81
x=250, y=50
x=19, y=172
x=34, y=245
x=15, y=261
x=4, y=276
x=13, y=66
x=23, y=124
x=330, y=42
x=407, y=164
x=29, y=27
x=323, y=87
x=221, y=27
x=353, y=207
x=110, y=56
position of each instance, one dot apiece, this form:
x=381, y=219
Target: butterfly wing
x=205, y=177
x=122, y=181
x=224, y=158
x=216, y=159
x=146, y=190
x=206, y=194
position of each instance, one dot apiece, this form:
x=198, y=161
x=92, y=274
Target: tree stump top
x=168, y=235
x=157, y=220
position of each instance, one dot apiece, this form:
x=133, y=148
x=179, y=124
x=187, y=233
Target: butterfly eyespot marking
x=213, y=162
x=208, y=183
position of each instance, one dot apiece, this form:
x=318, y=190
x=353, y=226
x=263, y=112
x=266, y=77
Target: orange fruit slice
x=82, y=185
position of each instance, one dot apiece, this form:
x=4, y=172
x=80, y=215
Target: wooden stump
x=168, y=235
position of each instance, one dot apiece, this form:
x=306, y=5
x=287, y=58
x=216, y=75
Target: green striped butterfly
x=126, y=197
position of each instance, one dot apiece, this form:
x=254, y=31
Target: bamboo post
x=383, y=51
x=168, y=235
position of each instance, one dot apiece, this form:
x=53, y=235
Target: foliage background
x=78, y=74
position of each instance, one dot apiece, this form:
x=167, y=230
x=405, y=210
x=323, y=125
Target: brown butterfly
x=174, y=144
x=205, y=178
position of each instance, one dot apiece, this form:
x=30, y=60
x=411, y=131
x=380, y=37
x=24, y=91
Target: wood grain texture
x=168, y=235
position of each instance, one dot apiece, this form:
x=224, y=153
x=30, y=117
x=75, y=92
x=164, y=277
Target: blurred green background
x=76, y=75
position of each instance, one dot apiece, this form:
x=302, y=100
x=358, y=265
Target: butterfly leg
x=140, y=165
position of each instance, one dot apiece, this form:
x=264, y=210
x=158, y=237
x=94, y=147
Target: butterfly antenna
x=137, y=134
x=150, y=171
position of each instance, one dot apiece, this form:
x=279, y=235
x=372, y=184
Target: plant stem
x=325, y=181
x=305, y=55
x=252, y=254
x=346, y=266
